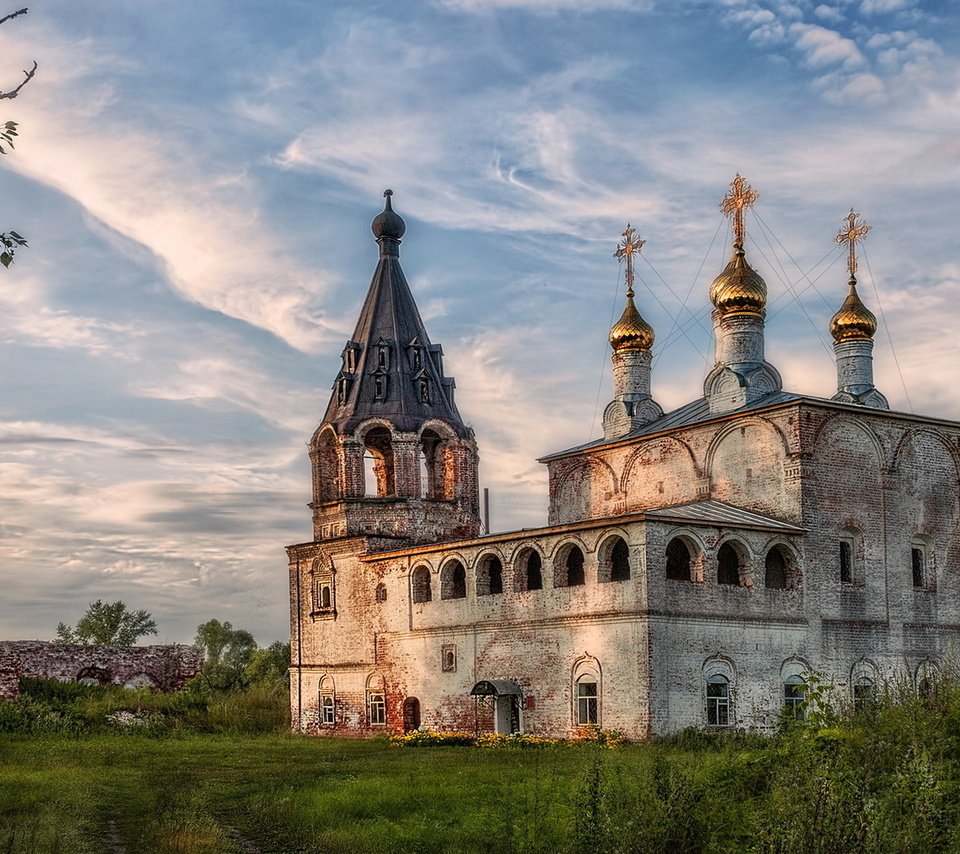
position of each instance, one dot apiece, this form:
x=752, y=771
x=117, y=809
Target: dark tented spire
x=390, y=369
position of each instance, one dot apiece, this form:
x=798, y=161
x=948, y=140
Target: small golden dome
x=739, y=288
x=854, y=321
x=631, y=331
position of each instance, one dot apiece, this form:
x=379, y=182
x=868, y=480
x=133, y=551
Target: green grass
x=886, y=780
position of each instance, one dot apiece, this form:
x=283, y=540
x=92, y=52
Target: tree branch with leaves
x=10, y=240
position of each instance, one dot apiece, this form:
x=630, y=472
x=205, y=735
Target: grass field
x=885, y=780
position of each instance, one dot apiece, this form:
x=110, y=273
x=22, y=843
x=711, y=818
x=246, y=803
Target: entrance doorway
x=411, y=714
x=505, y=697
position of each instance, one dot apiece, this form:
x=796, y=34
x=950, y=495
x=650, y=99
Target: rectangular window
x=587, y=710
x=846, y=562
x=377, y=706
x=326, y=709
x=916, y=559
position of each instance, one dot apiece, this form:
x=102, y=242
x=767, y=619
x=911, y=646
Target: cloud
x=822, y=47
x=547, y=6
x=880, y=7
x=828, y=13
x=151, y=186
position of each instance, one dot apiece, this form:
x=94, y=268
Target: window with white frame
x=588, y=702
x=327, y=702
x=795, y=697
x=718, y=700
x=376, y=708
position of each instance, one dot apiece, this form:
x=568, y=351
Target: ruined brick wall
x=166, y=667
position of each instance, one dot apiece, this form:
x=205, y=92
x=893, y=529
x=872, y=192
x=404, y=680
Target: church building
x=698, y=567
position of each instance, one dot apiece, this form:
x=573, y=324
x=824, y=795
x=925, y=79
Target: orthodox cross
x=854, y=230
x=629, y=247
x=740, y=197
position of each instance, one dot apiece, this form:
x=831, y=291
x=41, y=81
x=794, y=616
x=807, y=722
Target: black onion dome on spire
x=388, y=223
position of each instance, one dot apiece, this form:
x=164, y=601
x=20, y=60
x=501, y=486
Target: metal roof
x=496, y=688
x=716, y=513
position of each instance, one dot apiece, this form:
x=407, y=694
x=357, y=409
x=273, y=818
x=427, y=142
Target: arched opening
x=94, y=676
x=588, y=701
x=381, y=592
x=864, y=694
x=728, y=565
x=489, y=576
x=775, y=570
x=529, y=571
x=376, y=701
x=411, y=714
x=378, y=469
x=568, y=569
x=433, y=451
x=718, y=700
x=795, y=698
x=327, y=700
x=140, y=680
x=453, y=581
x=614, y=563
x=678, y=560
x=420, y=582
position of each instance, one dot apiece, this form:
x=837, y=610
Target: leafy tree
x=226, y=653
x=10, y=241
x=269, y=666
x=108, y=624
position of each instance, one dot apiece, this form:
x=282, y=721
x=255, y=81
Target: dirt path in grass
x=244, y=844
x=114, y=842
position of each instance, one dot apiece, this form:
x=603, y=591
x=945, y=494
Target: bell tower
x=392, y=456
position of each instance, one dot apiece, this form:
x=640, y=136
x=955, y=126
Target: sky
x=196, y=182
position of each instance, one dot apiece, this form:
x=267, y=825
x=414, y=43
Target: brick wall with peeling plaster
x=167, y=667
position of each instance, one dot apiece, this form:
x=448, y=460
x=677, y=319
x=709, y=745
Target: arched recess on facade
x=437, y=460
x=841, y=420
x=684, y=557
x=731, y=446
x=323, y=583
x=325, y=460
x=453, y=579
x=421, y=585
x=676, y=462
x=94, y=676
x=569, y=563
x=489, y=572
x=614, y=558
x=586, y=684
x=580, y=487
x=927, y=678
x=734, y=564
x=527, y=569
x=718, y=684
x=911, y=437
x=781, y=565
x=375, y=437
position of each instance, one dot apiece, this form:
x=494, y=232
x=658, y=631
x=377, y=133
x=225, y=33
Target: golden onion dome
x=739, y=288
x=854, y=321
x=631, y=331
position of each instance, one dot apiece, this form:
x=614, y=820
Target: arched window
x=376, y=701
x=775, y=571
x=321, y=571
x=918, y=563
x=381, y=592
x=421, y=585
x=378, y=463
x=568, y=571
x=489, y=576
x=678, y=560
x=728, y=565
x=453, y=581
x=864, y=694
x=614, y=563
x=587, y=692
x=327, y=702
x=718, y=700
x=795, y=697
x=588, y=702
x=529, y=572
x=432, y=453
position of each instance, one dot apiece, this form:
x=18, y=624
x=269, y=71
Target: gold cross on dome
x=854, y=231
x=629, y=247
x=740, y=197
